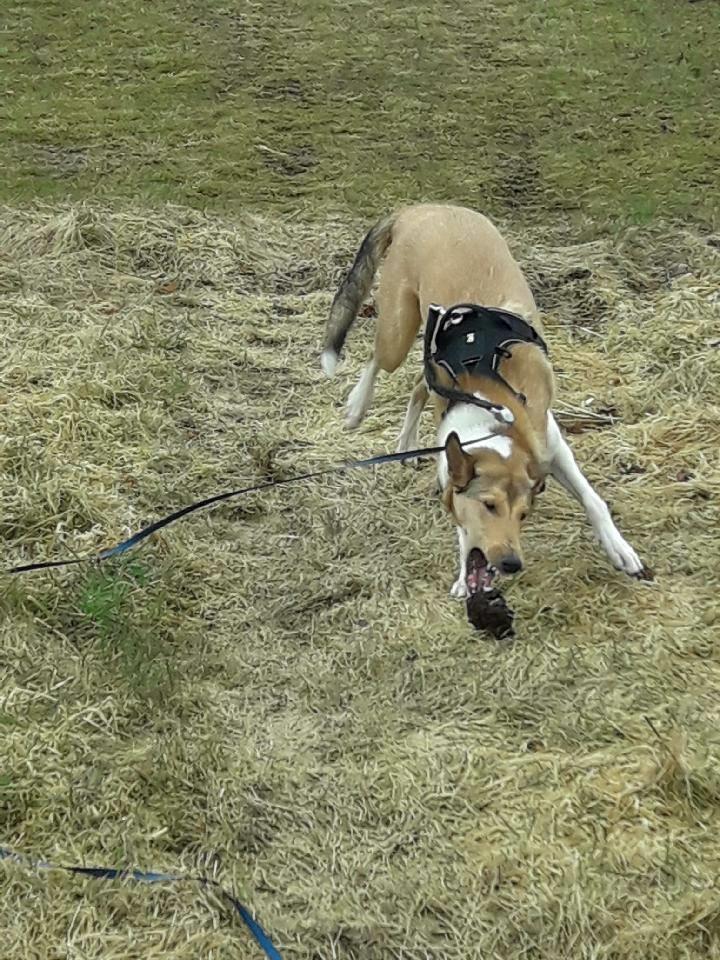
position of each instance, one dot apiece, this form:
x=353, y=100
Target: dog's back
x=433, y=253
x=453, y=255
x=430, y=253
x=450, y=256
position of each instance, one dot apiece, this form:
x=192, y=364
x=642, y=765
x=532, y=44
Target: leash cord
x=141, y=876
x=152, y=528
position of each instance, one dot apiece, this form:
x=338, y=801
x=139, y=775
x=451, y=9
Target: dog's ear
x=461, y=467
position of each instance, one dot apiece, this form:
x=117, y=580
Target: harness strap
x=468, y=337
x=435, y=315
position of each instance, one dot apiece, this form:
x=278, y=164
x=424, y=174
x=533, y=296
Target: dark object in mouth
x=487, y=610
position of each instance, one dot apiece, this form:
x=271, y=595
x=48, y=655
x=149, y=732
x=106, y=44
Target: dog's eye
x=489, y=506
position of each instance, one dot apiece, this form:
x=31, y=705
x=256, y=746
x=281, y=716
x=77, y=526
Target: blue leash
x=140, y=876
x=152, y=528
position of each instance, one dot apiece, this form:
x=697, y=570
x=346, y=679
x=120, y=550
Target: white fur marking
x=459, y=588
x=361, y=395
x=329, y=362
x=471, y=423
x=408, y=439
x=501, y=414
x=566, y=471
x=501, y=445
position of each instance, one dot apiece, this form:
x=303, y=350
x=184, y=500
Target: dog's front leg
x=459, y=588
x=566, y=471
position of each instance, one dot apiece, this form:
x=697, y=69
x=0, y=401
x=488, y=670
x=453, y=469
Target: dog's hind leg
x=408, y=438
x=361, y=395
x=566, y=471
x=396, y=328
x=398, y=319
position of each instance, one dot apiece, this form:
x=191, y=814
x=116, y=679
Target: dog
x=488, y=371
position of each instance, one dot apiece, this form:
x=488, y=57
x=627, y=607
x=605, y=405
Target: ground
x=280, y=692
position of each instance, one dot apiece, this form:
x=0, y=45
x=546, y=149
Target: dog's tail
x=353, y=290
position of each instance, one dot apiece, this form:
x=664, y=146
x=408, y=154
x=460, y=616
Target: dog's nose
x=511, y=564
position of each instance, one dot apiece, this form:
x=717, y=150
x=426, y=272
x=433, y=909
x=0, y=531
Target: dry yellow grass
x=280, y=691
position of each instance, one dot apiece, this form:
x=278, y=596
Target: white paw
x=621, y=554
x=459, y=589
x=352, y=420
x=356, y=409
x=407, y=443
x=329, y=362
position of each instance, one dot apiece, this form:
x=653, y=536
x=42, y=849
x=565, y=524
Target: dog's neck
x=473, y=423
x=476, y=427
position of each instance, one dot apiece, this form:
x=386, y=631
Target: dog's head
x=489, y=497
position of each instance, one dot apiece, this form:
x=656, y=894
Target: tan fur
x=443, y=254
x=509, y=483
x=483, y=479
x=447, y=255
x=529, y=372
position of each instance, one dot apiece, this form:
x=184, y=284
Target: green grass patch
x=126, y=615
x=603, y=111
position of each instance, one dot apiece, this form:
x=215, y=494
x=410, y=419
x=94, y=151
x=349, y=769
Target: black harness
x=470, y=339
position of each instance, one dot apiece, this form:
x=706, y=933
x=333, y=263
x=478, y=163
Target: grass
x=130, y=632
x=604, y=113
x=280, y=691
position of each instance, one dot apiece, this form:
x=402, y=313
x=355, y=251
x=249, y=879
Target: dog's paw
x=403, y=448
x=358, y=402
x=403, y=445
x=354, y=413
x=621, y=554
x=459, y=589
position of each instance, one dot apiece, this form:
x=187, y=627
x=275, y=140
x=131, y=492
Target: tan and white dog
x=438, y=254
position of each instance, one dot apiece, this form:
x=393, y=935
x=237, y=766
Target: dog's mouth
x=479, y=573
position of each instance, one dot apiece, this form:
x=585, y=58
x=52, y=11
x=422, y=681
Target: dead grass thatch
x=281, y=690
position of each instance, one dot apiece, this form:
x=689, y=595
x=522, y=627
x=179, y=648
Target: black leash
x=152, y=528
x=142, y=876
